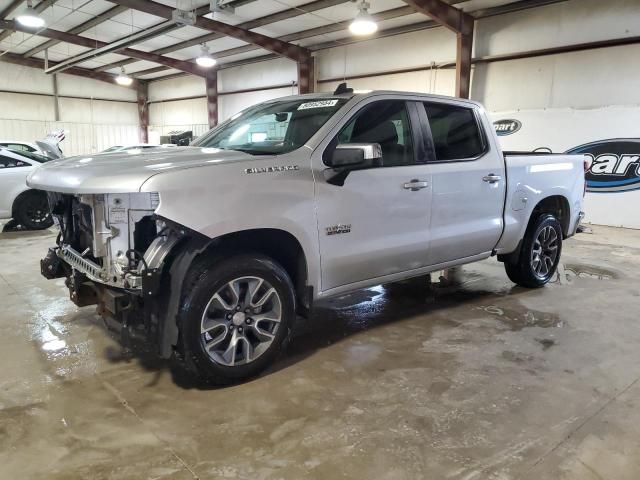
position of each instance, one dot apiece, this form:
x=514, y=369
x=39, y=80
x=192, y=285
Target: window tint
x=455, y=131
x=7, y=162
x=387, y=123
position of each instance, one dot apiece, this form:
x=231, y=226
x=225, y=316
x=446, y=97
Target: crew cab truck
x=212, y=250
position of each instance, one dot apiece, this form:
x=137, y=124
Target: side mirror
x=357, y=155
x=348, y=157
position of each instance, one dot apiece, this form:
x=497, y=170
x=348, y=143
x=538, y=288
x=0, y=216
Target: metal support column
x=143, y=111
x=306, y=70
x=464, y=47
x=211, y=81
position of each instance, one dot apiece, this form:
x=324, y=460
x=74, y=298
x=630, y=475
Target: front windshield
x=31, y=155
x=273, y=128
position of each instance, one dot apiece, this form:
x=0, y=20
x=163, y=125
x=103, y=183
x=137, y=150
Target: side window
x=7, y=162
x=455, y=130
x=19, y=147
x=385, y=122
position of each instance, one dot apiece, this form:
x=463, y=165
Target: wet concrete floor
x=480, y=381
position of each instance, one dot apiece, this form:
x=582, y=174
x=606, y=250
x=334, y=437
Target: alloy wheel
x=544, y=252
x=240, y=321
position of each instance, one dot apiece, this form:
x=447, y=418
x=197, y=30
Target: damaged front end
x=113, y=250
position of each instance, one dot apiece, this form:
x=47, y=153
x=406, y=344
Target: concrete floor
x=483, y=381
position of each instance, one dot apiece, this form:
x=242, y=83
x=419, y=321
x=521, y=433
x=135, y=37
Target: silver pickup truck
x=212, y=250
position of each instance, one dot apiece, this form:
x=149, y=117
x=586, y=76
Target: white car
x=48, y=147
x=213, y=249
x=27, y=207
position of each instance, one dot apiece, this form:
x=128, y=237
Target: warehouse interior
x=469, y=378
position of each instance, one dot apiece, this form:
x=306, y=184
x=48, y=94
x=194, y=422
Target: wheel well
x=558, y=206
x=279, y=245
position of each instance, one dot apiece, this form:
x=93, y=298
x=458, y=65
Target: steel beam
x=464, y=48
x=77, y=71
x=461, y=24
x=143, y=111
x=41, y=7
x=249, y=25
x=312, y=32
x=83, y=27
x=97, y=44
x=453, y=18
x=211, y=81
x=287, y=50
x=306, y=74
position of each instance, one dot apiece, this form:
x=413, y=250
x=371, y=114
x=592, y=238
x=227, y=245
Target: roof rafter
x=312, y=32
x=249, y=25
x=91, y=43
x=288, y=50
x=41, y=7
x=83, y=27
x=453, y=18
x=76, y=71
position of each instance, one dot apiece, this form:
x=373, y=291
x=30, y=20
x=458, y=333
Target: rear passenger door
x=468, y=178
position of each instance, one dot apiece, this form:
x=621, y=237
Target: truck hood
x=123, y=172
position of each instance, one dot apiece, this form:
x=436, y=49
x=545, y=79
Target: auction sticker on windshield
x=318, y=104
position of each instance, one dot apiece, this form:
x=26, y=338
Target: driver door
x=377, y=223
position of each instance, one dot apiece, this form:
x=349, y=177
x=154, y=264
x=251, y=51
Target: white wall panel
x=24, y=79
x=439, y=82
x=229, y=105
x=180, y=87
x=86, y=87
x=414, y=49
x=182, y=112
x=256, y=75
x=25, y=107
x=564, y=23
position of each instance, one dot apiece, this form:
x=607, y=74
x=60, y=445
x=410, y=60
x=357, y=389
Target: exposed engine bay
x=111, y=249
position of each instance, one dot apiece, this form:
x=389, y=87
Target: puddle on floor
x=569, y=271
x=517, y=319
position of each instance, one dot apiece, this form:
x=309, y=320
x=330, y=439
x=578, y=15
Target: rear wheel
x=32, y=210
x=235, y=317
x=540, y=253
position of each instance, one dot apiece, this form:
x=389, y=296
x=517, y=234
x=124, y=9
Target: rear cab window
x=456, y=132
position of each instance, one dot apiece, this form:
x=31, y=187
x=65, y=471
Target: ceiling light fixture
x=363, y=24
x=205, y=60
x=30, y=18
x=124, y=79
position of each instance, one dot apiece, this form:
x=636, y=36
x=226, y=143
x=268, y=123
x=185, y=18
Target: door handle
x=491, y=178
x=415, y=185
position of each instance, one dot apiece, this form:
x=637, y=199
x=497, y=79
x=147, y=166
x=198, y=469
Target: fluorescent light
x=205, y=59
x=363, y=24
x=124, y=79
x=30, y=18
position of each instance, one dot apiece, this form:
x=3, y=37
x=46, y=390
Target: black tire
x=522, y=270
x=206, y=277
x=31, y=210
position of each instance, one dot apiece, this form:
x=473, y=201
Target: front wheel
x=235, y=317
x=539, y=255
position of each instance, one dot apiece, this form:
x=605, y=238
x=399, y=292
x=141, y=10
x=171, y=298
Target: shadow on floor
x=333, y=321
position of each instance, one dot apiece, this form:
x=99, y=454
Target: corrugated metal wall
x=81, y=138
